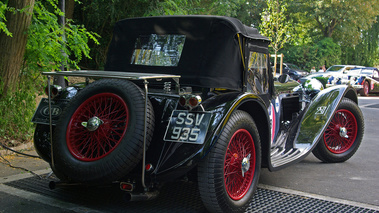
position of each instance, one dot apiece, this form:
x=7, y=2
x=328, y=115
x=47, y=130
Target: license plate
x=187, y=127
x=41, y=115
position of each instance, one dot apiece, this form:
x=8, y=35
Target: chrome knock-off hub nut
x=343, y=132
x=93, y=123
x=245, y=165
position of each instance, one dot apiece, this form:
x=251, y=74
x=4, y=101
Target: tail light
x=55, y=90
x=190, y=101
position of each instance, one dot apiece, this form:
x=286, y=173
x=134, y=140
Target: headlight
x=313, y=84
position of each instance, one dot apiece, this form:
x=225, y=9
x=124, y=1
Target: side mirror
x=284, y=78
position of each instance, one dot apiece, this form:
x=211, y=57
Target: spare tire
x=99, y=137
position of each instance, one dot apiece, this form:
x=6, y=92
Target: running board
x=280, y=156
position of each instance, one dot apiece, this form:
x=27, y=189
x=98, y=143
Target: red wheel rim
x=334, y=139
x=87, y=145
x=240, y=146
x=366, y=88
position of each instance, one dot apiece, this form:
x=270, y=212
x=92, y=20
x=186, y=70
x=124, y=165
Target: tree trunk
x=12, y=49
x=70, y=6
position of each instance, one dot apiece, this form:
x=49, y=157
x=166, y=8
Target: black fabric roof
x=211, y=55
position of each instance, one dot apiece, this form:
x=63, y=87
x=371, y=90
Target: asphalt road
x=355, y=180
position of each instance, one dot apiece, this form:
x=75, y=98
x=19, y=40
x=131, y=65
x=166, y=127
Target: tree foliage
x=366, y=52
x=3, y=26
x=275, y=25
x=42, y=53
x=340, y=20
x=325, y=52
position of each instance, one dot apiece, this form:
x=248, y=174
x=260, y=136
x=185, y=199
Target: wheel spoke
x=94, y=144
x=240, y=146
x=335, y=141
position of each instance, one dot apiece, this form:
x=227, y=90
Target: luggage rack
x=116, y=75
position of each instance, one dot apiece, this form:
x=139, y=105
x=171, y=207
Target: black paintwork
x=281, y=111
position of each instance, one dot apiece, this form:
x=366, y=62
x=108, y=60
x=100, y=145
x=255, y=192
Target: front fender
x=312, y=125
x=319, y=114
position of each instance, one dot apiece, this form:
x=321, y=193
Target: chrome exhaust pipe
x=141, y=196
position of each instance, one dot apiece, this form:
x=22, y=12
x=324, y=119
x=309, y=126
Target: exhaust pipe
x=141, y=196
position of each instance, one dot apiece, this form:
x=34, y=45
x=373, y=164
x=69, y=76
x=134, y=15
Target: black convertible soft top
x=210, y=55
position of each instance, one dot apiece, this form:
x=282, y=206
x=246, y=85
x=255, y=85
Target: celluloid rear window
x=158, y=50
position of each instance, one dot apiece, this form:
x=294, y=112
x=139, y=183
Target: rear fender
x=250, y=103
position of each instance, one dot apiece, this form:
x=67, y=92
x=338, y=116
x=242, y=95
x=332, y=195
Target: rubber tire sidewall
x=211, y=169
x=128, y=152
x=324, y=154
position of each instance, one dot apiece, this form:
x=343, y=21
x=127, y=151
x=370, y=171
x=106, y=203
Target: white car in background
x=335, y=70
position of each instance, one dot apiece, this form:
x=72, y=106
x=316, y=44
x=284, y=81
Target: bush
x=324, y=52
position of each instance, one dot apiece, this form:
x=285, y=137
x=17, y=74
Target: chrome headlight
x=313, y=84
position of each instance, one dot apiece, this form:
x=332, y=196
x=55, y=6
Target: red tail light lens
x=182, y=101
x=54, y=90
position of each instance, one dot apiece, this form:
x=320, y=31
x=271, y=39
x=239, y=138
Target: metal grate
x=177, y=197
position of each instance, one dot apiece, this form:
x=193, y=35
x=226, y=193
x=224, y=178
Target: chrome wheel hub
x=245, y=165
x=343, y=132
x=92, y=124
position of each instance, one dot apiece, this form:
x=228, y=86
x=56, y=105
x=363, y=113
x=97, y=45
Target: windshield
x=334, y=68
x=367, y=72
x=355, y=71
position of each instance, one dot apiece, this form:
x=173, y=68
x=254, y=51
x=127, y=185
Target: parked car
x=365, y=80
x=194, y=97
x=335, y=71
x=292, y=70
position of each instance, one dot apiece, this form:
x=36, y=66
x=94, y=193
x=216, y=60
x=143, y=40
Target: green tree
x=366, y=52
x=41, y=52
x=341, y=20
x=275, y=25
x=12, y=49
x=250, y=12
x=325, y=52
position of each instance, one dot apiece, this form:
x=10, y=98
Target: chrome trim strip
x=113, y=74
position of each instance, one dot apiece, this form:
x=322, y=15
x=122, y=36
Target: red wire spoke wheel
x=228, y=175
x=100, y=136
x=366, y=88
x=343, y=136
x=91, y=145
x=240, y=149
x=341, y=132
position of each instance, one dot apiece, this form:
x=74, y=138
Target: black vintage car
x=190, y=96
x=292, y=70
